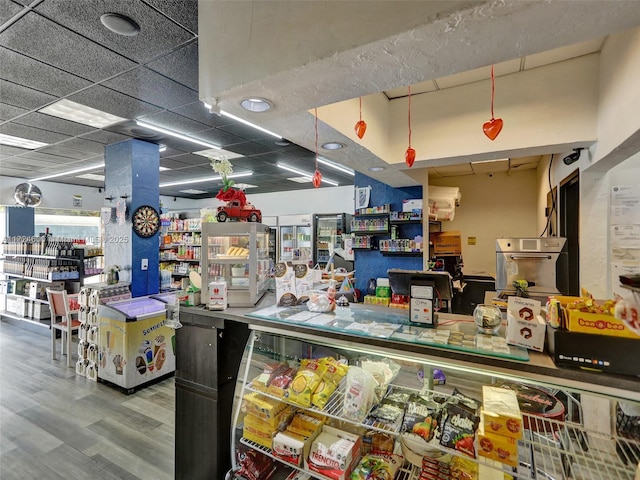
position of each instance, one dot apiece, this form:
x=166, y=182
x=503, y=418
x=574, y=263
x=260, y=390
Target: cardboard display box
x=599, y=324
x=447, y=243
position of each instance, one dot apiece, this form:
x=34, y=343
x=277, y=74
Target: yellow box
x=497, y=447
x=261, y=406
x=256, y=430
x=500, y=412
x=598, y=323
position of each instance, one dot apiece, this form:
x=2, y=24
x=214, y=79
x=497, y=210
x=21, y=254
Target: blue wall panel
x=371, y=263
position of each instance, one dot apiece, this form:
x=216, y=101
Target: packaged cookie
x=305, y=382
x=359, y=394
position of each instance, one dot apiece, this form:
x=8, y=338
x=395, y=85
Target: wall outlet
x=145, y=264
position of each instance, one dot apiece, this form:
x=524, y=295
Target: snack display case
x=237, y=252
x=405, y=424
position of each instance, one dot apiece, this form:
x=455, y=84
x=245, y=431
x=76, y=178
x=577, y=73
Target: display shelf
x=405, y=222
x=44, y=280
x=549, y=449
x=45, y=323
x=13, y=295
x=401, y=254
x=183, y=231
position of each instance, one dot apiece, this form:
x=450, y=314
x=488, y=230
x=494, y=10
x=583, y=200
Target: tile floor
x=56, y=425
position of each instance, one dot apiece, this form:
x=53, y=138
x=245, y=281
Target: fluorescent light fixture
x=177, y=135
x=333, y=145
x=489, y=161
x=376, y=169
x=244, y=186
x=245, y=122
x=91, y=176
x=329, y=164
x=70, y=172
x=164, y=169
x=205, y=179
x=193, y=191
x=79, y=113
x=20, y=142
x=299, y=179
x=163, y=148
x=305, y=174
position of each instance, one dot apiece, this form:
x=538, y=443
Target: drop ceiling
x=54, y=49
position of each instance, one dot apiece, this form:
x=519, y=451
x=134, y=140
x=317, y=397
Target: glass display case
x=237, y=252
x=423, y=411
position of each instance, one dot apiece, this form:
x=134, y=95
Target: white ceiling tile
x=563, y=53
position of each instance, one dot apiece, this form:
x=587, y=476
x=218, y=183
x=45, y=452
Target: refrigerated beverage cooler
x=296, y=232
x=136, y=348
x=328, y=231
x=272, y=223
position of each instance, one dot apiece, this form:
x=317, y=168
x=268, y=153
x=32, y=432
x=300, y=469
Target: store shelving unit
x=180, y=249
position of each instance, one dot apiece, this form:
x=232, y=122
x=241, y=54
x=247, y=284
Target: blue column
x=20, y=221
x=132, y=174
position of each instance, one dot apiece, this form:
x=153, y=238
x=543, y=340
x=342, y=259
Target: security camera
x=573, y=157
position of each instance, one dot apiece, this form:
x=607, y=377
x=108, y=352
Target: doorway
x=570, y=227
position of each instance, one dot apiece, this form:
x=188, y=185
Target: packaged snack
x=359, y=394
x=458, y=429
x=383, y=372
x=254, y=465
x=463, y=469
x=261, y=406
x=377, y=467
x=305, y=382
x=323, y=392
x=289, y=447
x=378, y=442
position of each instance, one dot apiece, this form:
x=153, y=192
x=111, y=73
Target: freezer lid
x=137, y=308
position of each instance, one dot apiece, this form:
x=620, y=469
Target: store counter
x=211, y=344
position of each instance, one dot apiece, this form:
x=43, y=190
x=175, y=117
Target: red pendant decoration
x=410, y=154
x=361, y=125
x=317, y=176
x=317, y=179
x=493, y=127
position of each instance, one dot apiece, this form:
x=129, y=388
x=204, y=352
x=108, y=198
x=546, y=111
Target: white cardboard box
x=41, y=310
x=285, y=284
x=411, y=204
x=525, y=326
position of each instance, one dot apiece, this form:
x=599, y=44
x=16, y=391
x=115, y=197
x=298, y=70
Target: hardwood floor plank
x=73, y=464
x=143, y=406
x=133, y=463
x=19, y=465
x=117, y=470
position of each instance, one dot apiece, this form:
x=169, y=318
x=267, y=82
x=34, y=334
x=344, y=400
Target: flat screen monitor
x=400, y=281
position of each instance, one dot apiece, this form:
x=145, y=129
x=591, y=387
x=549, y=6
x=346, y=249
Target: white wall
x=492, y=207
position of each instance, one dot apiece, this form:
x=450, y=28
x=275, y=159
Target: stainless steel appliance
x=541, y=262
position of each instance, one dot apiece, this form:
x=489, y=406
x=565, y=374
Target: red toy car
x=234, y=210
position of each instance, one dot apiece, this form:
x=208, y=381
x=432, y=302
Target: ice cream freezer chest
x=135, y=345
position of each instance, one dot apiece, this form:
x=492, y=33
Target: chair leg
x=69, y=339
x=62, y=343
x=53, y=343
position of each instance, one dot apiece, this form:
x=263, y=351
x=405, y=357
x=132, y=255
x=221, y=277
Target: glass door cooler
x=328, y=235
x=295, y=238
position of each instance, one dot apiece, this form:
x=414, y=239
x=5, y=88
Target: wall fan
x=28, y=195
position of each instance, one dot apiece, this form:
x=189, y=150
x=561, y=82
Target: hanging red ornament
x=361, y=125
x=410, y=154
x=317, y=179
x=317, y=176
x=493, y=127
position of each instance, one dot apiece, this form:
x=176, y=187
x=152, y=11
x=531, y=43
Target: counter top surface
x=539, y=368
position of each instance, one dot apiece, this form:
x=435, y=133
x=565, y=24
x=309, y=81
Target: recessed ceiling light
x=256, y=104
x=120, y=24
x=70, y=172
x=340, y=168
x=333, y=145
x=177, y=135
x=20, y=142
x=76, y=112
x=376, y=169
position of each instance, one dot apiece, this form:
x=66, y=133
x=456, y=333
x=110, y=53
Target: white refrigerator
x=295, y=238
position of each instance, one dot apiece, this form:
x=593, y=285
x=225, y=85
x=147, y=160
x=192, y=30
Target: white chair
x=60, y=308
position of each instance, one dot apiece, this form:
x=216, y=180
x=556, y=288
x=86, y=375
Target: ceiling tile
x=218, y=137
x=8, y=10
x=105, y=137
x=244, y=131
x=7, y=112
x=67, y=152
x=31, y=73
x=490, y=167
x=183, y=12
x=173, y=121
x=58, y=46
x=83, y=145
x=158, y=34
x=19, y=96
x=53, y=124
x=248, y=148
x=153, y=88
x=422, y=87
x=475, y=75
x=181, y=65
x=113, y=102
x=198, y=112
x=564, y=53
x=451, y=170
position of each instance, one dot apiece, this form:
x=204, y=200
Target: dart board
x=146, y=221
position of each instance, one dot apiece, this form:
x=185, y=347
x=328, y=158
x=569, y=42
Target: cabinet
x=28, y=275
x=237, y=252
x=556, y=443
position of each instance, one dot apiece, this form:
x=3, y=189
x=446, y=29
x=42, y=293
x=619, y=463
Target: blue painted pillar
x=132, y=174
x=20, y=221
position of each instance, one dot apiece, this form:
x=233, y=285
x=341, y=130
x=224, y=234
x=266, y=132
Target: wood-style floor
x=55, y=425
